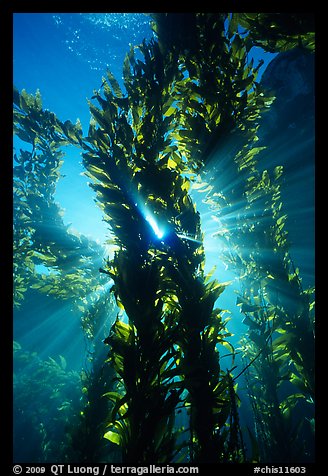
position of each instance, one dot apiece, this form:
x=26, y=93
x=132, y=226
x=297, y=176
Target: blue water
x=65, y=57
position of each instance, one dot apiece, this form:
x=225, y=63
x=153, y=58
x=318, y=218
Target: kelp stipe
x=142, y=350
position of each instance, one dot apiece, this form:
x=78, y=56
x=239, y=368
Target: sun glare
x=152, y=222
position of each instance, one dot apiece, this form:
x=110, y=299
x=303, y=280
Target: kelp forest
x=163, y=380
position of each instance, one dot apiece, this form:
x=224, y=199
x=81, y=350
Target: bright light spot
x=152, y=222
x=190, y=238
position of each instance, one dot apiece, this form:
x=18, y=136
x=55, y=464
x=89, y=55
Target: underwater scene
x=164, y=238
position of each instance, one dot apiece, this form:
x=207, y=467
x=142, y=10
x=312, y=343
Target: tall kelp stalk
x=272, y=298
x=274, y=303
x=124, y=162
x=168, y=344
x=218, y=98
x=246, y=184
x=70, y=262
x=167, y=125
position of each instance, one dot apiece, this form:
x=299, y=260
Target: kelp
x=44, y=429
x=269, y=277
x=155, y=154
x=218, y=93
x=185, y=93
x=279, y=343
x=70, y=263
x=87, y=435
x=154, y=279
x=278, y=31
x=277, y=310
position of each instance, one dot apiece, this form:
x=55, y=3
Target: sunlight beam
x=152, y=222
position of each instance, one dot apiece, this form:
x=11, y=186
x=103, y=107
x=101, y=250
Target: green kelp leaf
x=97, y=172
x=249, y=308
x=278, y=171
x=171, y=110
x=63, y=362
x=265, y=178
x=136, y=114
x=299, y=383
x=233, y=24
x=171, y=163
x=124, y=331
x=170, y=107
x=46, y=289
x=118, y=404
x=245, y=84
x=246, y=306
x=117, y=361
x=78, y=132
x=38, y=100
x=238, y=49
x=114, y=84
x=245, y=159
x=25, y=100
x=99, y=116
x=209, y=275
x=283, y=340
x=290, y=402
x=216, y=288
x=113, y=396
x=129, y=57
x=281, y=220
x=200, y=185
x=64, y=406
x=113, y=437
x=68, y=129
x=228, y=346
